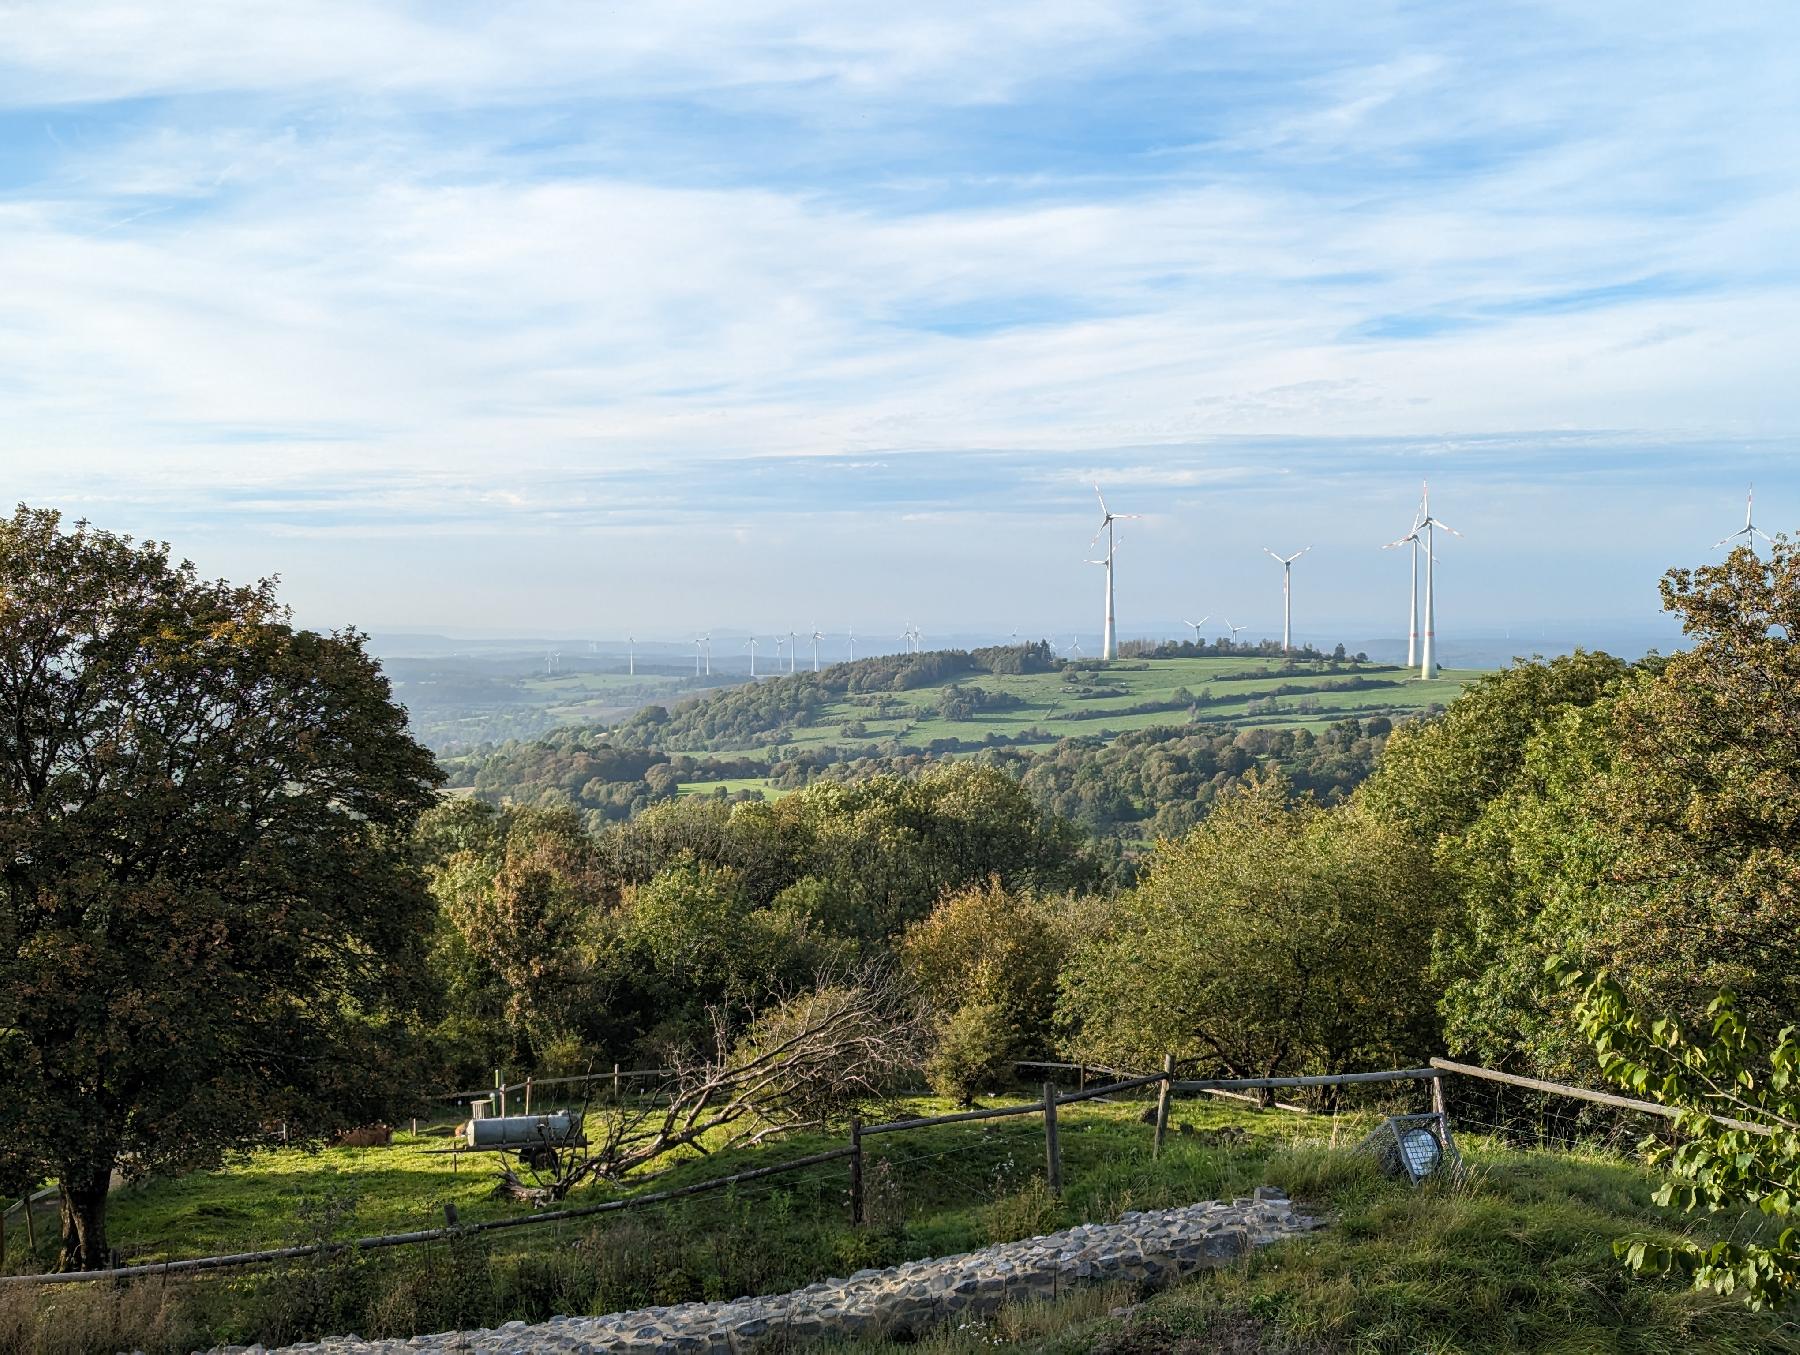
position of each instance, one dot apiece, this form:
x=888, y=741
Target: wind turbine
x=817, y=636
x=1109, y=644
x=791, y=648
x=631, y=655
x=1428, y=664
x=751, y=646
x=1287, y=594
x=1075, y=646
x=779, y=642
x=850, y=637
x=706, y=640
x=699, y=645
x=1412, y=539
x=1235, y=629
x=1749, y=530
x=1197, y=624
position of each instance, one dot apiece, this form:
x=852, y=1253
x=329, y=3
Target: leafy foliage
x=1739, y=1130
x=209, y=920
x=987, y=959
x=1277, y=937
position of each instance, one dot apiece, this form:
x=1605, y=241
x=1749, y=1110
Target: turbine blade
x=1098, y=495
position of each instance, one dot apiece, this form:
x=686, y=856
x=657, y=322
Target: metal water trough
x=533, y=1136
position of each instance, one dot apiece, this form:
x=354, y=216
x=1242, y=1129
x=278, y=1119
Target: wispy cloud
x=369, y=272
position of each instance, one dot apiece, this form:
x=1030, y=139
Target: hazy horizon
x=604, y=322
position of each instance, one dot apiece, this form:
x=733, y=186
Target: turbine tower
x=1412, y=616
x=1749, y=531
x=1109, y=643
x=699, y=645
x=1197, y=624
x=791, y=648
x=631, y=655
x=817, y=636
x=779, y=641
x=1428, y=664
x=1235, y=629
x=850, y=638
x=706, y=640
x=751, y=646
x=1287, y=594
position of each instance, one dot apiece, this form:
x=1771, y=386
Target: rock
x=1147, y=1247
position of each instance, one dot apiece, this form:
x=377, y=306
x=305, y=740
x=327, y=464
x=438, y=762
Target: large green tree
x=1278, y=937
x=209, y=921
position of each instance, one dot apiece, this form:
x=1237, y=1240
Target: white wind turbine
x=1428, y=664
x=791, y=648
x=1412, y=539
x=751, y=646
x=1235, y=629
x=850, y=639
x=1749, y=531
x=706, y=640
x=780, y=643
x=1197, y=624
x=631, y=655
x=1287, y=594
x=1075, y=646
x=699, y=646
x=1109, y=643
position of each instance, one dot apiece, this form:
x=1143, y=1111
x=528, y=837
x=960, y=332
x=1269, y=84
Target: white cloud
x=371, y=253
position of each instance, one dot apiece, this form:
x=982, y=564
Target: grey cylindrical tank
x=523, y=1131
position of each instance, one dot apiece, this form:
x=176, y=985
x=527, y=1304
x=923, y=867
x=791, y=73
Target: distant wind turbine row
x=1421, y=636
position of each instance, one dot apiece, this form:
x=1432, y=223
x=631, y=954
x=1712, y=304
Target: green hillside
x=1129, y=750
x=1107, y=699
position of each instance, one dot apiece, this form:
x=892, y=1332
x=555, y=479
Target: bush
x=974, y=1051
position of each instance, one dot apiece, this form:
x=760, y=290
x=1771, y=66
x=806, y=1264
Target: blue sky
x=594, y=319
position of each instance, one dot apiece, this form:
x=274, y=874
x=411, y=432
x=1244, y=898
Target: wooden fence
x=1046, y=1106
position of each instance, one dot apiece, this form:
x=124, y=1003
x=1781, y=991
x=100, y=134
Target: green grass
x=732, y=784
x=1052, y=705
x=1516, y=1257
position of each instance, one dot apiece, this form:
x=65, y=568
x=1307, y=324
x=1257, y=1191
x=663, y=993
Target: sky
x=569, y=318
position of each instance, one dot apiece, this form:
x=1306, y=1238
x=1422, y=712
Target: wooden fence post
x=1052, y=1149
x=1437, y=1094
x=856, y=1171
x=1162, y=1104
x=528, y=1093
x=615, y=1082
x=30, y=1225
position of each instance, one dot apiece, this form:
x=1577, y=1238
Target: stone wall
x=1150, y=1249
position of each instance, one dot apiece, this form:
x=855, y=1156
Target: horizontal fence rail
x=1208, y=1084
x=1584, y=1094
x=425, y=1234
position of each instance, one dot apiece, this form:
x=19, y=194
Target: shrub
x=974, y=1051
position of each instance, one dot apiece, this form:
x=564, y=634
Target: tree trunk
x=84, y=1222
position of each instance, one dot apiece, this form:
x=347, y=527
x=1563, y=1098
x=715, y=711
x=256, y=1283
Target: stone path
x=1151, y=1249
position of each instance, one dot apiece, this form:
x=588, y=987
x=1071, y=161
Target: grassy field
x=1102, y=704
x=1514, y=1257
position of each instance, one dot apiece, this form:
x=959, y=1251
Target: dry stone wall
x=1151, y=1249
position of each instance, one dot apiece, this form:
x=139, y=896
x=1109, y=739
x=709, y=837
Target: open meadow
x=1514, y=1255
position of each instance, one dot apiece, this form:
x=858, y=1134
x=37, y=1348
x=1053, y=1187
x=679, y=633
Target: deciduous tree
x=208, y=914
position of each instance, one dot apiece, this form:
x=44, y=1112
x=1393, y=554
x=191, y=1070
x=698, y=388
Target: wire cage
x=1414, y=1146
